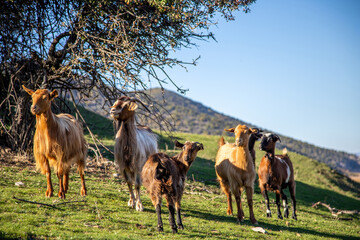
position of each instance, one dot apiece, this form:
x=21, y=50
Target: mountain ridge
x=194, y=117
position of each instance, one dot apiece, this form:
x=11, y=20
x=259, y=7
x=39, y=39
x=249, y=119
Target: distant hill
x=193, y=117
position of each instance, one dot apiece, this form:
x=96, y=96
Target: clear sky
x=289, y=66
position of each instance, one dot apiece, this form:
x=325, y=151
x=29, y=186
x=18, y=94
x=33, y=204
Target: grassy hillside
x=104, y=213
x=193, y=117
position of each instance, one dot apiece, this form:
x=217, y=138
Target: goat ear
x=53, y=95
x=133, y=106
x=178, y=144
x=253, y=130
x=29, y=91
x=230, y=130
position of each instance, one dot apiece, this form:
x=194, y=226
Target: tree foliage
x=113, y=47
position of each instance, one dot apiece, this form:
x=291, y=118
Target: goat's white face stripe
x=287, y=169
x=267, y=134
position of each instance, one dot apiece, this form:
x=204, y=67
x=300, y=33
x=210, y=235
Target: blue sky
x=289, y=66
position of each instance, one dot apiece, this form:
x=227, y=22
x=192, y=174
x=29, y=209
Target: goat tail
x=221, y=141
x=285, y=151
x=161, y=171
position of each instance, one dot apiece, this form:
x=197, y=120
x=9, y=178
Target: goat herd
x=59, y=142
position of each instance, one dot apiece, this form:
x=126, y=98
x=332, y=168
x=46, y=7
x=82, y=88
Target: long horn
x=277, y=137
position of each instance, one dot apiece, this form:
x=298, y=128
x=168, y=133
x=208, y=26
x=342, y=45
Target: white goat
x=133, y=145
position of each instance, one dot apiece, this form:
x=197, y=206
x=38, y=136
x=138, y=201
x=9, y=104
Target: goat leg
x=239, y=207
x=227, y=192
x=293, y=200
x=278, y=204
x=61, y=186
x=131, y=202
x=66, y=181
x=267, y=202
x=285, y=204
x=83, y=190
x=178, y=215
x=81, y=166
x=158, y=213
x=172, y=218
x=249, y=196
x=49, y=190
x=139, y=206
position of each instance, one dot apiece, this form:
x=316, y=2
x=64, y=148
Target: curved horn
x=277, y=137
x=122, y=98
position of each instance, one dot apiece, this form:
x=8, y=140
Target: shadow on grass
x=203, y=170
x=300, y=230
x=307, y=195
x=268, y=226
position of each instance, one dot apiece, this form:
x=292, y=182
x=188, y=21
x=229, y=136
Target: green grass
x=105, y=214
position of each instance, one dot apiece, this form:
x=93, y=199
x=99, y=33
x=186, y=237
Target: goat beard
x=127, y=139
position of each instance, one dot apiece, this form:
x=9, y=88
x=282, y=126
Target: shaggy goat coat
x=235, y=169
x=58, y=142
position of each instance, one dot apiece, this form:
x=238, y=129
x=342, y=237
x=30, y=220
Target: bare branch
x=335, y=212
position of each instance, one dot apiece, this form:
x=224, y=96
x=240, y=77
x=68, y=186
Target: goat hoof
x=254, y=222
x=49, y=193
x=160, y=229
x=131, y=203
x=240, y=220
x=286, y=214
x=268, y=215
x=62, y=195
x=139, y=207
x=174, y=230
x=180, y=226
x=294, y=217
x=280, y=217
x=229, y=212
x=83, y=192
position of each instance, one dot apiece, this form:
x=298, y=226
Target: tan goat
x=58, y=142
x=235, y=170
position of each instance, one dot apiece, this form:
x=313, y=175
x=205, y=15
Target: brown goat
x=275, y=174
x=58, y=142
x=133, y=145
x=164, y=175
x=235, y=170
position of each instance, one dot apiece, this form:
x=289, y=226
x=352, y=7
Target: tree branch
x=335, y=212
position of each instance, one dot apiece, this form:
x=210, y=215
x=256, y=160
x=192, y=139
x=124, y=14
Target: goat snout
x=34, y=109
x=113, y=111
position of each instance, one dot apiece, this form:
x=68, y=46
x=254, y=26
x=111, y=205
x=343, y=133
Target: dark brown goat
x=275, y=174
x=252, y=139
x=165, y=176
